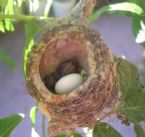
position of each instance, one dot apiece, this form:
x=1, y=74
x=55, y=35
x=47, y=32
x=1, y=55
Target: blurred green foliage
x=105, y=130
x=8, y=124
x=7, y=59
x=131, y=8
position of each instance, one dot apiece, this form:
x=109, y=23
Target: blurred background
x=114, y=29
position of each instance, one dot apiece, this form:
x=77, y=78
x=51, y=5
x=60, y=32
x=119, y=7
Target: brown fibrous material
x=84, y=105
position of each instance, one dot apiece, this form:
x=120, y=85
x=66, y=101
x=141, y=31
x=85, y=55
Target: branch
x=87, y=7
x=83, y=9
x=50, y=21
x=25, y=18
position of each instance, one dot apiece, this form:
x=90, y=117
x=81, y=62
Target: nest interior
x=82, y=48
x=64, y=55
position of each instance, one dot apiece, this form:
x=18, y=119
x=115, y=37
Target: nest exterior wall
x=84, y=105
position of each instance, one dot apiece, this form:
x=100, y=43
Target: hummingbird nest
x=64, y=49
x=83, y=106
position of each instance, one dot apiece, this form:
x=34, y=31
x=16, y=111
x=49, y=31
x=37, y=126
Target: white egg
x=68, y=83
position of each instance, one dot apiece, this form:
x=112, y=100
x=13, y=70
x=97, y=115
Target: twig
x=87, y=7
x=83, y=9
x=23, y=17
x=43, y=126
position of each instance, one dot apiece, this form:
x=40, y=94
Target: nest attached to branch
x=82, y=106
x=66, y=48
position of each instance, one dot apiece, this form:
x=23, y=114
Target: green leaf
x=125, y=8
x=139, y=2
x=9, y=25
x=64, y=135
x=9, y=10
x=2, y=28
x=3, y=3
x=135, y=1
x=139, y=131
x=34, y=133
x=19, y=2
x=7, y=59
x=138, y=28
x=75, y=134
x=8, y=124
x=105, y=130
x=33, y=112
x=132, y=100
x=31, y=29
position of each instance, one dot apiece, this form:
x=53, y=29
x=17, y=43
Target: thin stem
x=25, y=18
x=50, y=21
x=43, y=126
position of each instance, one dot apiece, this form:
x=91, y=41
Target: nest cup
x=64, y=54
x=84, y=47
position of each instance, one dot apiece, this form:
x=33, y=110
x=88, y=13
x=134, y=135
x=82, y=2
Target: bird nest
x=63, y=50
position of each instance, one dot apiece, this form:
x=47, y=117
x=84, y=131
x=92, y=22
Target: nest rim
x=34, y=77
x=46, y=99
